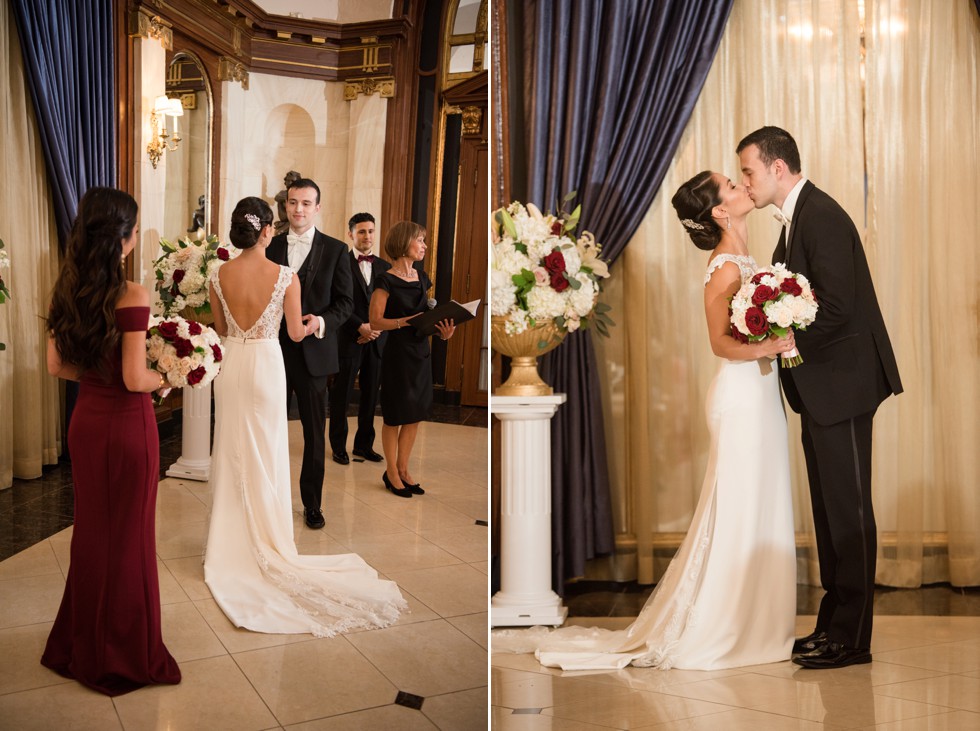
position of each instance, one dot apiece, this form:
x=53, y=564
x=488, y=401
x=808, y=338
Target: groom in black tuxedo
x=848, y=369
x=360, y=349
x=325, y=280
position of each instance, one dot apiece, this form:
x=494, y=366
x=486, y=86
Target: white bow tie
x=784, y=220
x=305, y=239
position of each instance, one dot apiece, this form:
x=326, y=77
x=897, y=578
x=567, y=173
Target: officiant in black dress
x=406, y=370
x=360, y=348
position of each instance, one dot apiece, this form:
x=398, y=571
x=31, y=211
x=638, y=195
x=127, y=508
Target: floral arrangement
x=4, y=292
x=770, y=303
x=183, y=272
x=186, y=353
x=539, y=272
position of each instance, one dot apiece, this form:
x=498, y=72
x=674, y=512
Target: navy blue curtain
x=610, y=87
x=68, y=57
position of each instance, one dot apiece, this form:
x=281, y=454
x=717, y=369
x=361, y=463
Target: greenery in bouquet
x=183, y=272
x=541, y=272
x=4, y=292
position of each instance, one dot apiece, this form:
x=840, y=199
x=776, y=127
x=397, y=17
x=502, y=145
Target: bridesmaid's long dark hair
x=92, y=279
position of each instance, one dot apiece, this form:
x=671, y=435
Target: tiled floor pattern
x=925, y=677
x=433, y=546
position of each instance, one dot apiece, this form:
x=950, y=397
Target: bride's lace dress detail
x=728, y=597
x=251, y=564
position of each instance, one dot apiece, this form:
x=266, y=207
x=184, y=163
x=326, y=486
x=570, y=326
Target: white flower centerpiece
x=544, y=284
x=183, y=272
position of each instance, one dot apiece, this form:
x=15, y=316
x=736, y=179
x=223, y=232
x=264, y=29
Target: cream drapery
x=29, y=401
x=798, y=65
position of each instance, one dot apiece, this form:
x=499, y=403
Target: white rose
x=167, y=362
x=185, y=366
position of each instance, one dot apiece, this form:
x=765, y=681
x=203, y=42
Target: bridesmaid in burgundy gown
x=107, y=633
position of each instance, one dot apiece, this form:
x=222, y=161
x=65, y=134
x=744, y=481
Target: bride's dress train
x=251, y=564
x=728, y=597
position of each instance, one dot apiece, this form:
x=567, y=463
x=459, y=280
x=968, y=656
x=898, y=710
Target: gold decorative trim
x=188, y=100
x=472, y=120
x=231, y=70
x=144, y=25
x=384, y=86
x=371, y=56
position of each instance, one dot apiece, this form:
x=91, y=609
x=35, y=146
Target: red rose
x=194, y=328
x=167, y=330
x=739, y=335
x=558, y=282
x=791, y=286
x=195, y=376
x=178, y=275
x=223, y=254
x=554, y=263
x=763, y=293
x=756, y=321
x=216, y=351
x=556, y=228
x=183, y=347
x=758, y=277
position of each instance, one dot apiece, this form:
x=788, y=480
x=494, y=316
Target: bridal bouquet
x=186, y=353
x=539, y=272
x=770, y=303
x=183, y=272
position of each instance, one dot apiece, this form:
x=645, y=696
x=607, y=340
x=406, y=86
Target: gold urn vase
x=524, y=350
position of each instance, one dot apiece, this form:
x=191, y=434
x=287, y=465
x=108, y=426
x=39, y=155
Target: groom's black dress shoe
x=811, y=642
x=369, y=454
x=341, y=458
x=314, y=518
x=832, y=656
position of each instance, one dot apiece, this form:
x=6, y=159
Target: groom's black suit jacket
x=327, y=291
x=840, y=377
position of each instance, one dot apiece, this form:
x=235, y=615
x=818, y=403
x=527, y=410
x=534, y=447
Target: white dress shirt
x=789, y=205
x=298, y=247
x=365, y=267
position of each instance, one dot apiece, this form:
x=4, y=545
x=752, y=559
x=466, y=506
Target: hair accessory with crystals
x=693, y=225
x=254, y=220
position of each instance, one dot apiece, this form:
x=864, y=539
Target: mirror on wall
x=187, y=206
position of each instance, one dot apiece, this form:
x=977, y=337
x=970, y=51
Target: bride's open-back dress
x=728, y=597
x=251, y=564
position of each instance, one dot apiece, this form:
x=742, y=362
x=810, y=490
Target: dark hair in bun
x=248, y=219
x=693, y=202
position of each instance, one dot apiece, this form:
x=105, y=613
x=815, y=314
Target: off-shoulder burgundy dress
x=107, y=633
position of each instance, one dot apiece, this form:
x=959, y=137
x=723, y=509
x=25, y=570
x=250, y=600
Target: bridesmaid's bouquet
x=186, y=353
x=183, y=272
x=770, y=303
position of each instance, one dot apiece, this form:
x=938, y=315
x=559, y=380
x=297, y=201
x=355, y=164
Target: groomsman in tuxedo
x=848, y=369
x=325, y=280
x=360, y=349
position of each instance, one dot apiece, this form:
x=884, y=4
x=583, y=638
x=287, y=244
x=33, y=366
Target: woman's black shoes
x=399, y=491
x=415, y=489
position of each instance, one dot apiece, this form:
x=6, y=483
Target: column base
x=550, y=613
x=190, y=470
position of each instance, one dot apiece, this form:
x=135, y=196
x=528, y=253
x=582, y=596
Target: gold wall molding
x=145, y=25
x=231, y=70
x=385, y=87
x=472, y=120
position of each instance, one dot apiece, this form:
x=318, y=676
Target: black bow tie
x=365, y=257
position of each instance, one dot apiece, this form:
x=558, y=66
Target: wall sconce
x=163, y=107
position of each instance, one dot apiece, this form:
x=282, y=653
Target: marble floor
x=925, y=676
x=427, y=671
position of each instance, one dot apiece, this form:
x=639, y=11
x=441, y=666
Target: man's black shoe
x=369, y=454
x=809, y=643
x=833, y=656
x=341, y=458
x=314, y=518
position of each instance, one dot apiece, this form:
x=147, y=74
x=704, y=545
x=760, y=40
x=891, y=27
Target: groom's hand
x=312, y=324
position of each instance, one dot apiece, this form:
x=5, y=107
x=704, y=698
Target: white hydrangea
x=582, y=300
x=516, y=322
x=502, y=293
x=544, y=303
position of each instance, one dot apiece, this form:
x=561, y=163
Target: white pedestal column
x=195, y=440
x=525, y=597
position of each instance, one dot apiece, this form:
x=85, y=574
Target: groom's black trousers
x=838, y=463
x=310, y=397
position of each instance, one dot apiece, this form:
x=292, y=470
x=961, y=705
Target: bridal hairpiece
x=693, y=225
x=254, y=220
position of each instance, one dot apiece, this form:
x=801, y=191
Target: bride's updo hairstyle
x=693, y=202
x=248, y=219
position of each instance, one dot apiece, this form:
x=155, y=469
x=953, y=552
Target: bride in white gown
x=728, y=598
x=251, y=564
